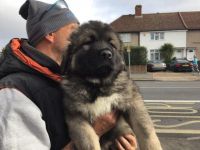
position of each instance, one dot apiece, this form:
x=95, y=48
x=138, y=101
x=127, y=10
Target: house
x=181, y=29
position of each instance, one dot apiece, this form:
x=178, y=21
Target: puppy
x=96, y=83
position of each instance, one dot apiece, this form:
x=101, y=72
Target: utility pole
x=129, y=61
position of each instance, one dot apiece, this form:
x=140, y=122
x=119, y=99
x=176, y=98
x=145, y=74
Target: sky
x=13, y=25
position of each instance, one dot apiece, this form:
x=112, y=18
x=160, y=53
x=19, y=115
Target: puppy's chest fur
x=91, y=102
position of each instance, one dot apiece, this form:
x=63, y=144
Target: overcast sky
x=12, y=25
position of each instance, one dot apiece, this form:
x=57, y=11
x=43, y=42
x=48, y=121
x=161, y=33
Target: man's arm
x=21, y=124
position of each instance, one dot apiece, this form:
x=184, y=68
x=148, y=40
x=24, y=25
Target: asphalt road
x=160, y=90
x=175, y=110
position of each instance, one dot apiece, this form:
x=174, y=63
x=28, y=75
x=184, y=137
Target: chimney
x=138, y=11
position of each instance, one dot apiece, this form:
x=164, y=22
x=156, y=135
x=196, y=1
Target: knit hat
x=43, y=18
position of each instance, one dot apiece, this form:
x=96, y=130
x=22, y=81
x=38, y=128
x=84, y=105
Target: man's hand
x=126, y=142
x=104, y=123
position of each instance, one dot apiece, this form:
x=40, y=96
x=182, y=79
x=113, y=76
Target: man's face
x=62, y=36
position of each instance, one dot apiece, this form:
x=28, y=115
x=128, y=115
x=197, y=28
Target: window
x=125, y=37
x=154, y=54
x=157, y=35
x=152, y=35
x=191, y=51
x=179, y=50
x=162, y=35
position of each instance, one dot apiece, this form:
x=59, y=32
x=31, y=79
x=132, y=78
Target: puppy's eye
x=86, y=47
x=110, y=40
x=113, y=45
x=89, y=40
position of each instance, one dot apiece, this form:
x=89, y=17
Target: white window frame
x=154, y=54
x=157, y=36
x=125, y=37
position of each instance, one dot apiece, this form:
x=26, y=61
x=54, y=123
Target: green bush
x=167, y=51
x=3, y=50
x=138, y=56
x=2, y=53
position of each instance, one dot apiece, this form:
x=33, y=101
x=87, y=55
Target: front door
x=179, y=53
x=190, y=53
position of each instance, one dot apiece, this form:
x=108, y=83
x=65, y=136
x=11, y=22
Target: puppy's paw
x=88, y=143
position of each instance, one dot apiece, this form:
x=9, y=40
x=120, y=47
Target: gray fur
x=88, y=96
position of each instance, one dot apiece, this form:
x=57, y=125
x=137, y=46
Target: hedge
x=138, y=55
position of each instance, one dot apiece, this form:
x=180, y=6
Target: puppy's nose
x=106, y=54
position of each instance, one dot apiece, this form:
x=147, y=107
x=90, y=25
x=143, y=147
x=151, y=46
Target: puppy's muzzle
x=106, y=54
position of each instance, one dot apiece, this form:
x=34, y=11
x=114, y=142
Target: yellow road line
x=172, y=101
x=177, y=131
x=169, y=103
x=163, y=116
x=182, y=103
x=190, y=111
x=176, y=125
x=157, y=105
x=168, y=108
x=193, y=138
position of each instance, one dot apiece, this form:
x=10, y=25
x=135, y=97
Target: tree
x=2, y=52
x=167, y=51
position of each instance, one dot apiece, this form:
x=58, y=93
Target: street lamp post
x=129, y=61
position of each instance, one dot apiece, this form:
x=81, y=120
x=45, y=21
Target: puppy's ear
x=63, y=65
x=73, y=37
x=67, y=59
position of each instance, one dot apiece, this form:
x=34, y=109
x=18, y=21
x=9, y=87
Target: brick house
x=181, y=29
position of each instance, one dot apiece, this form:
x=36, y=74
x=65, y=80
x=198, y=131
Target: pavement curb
x=165, y=76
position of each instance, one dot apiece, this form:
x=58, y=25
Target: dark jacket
x=37, y=76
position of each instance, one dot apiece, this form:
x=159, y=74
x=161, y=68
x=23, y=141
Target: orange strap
x=15, y=45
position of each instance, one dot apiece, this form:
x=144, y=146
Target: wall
x=176, y=37
x=134, y=40
x=193, y=40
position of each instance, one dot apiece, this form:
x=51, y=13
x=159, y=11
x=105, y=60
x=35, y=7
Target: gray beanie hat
x=43, y=18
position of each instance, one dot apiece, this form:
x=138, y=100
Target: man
x=195, y=64
x=31, y=110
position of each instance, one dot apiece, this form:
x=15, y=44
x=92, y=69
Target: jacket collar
x=34, y=59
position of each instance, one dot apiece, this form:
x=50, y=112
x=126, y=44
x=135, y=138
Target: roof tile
x=157, y=22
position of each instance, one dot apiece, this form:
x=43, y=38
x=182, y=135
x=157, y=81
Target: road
x=175, y=110
x=158, y=90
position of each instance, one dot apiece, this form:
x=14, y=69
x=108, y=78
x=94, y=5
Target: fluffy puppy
x=96, y=83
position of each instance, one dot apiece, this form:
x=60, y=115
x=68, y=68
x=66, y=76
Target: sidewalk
x=167, y=76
